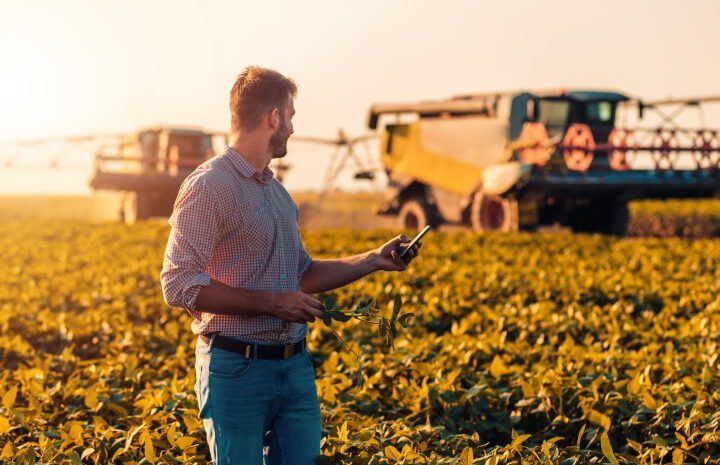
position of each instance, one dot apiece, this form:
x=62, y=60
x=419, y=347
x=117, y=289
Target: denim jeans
x=247, y=404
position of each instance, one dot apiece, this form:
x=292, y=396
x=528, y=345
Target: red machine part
x=623, y=146
x=706, y=150
x=579, y=146
x=665, y=155
x=534, y=139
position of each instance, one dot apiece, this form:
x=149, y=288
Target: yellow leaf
x=580, y=435
x=682, y=440
x=171, y=434
x=678, y=457
x=185, y=441
x=191, y=423
x=7, y=452
x=607, y=448
x=635, y=445
x=4, y=425
x=649, y=401
x=149, y=450
x=8, y=399
x=132, y=434
x=408, y=453
x=466, y=457
x=498, y=367
x=76, y=430
x=86, y=453
x=392, y=453
x=599, y=419
x=343, y=432
x=91, y=399
x=528, y=390
x=519, y=440
x=689, y=382
x=546, y=450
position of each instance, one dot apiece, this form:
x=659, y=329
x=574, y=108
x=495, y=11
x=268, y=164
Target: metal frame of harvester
x=148, y=167
x=518, y=160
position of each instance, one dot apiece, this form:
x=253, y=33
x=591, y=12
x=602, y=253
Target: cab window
x=599, y=112
x=553, y=114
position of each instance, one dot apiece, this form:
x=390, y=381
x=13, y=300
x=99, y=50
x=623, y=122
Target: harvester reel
x=666, y=141
x=579, y=147
x=535, y=141
x=623, y=145
x=706, y=147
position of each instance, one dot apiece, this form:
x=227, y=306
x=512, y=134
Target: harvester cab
x=519, y=160
x=557, y=111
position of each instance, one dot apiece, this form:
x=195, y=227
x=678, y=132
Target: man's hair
x=256, y=92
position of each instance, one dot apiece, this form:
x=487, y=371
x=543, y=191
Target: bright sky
x=78, y=67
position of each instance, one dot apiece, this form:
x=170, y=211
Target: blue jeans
x=246, y=404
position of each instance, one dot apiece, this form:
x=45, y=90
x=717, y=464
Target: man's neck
x=255, y=152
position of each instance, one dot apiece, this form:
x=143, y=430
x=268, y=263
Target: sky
x=79, y=67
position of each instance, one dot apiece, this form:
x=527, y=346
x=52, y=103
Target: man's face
x=278, y=141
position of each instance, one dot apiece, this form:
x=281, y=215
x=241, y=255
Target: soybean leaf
x=406, y=320
x=383, y=328
x=327, y=319
x=397, y=305
x=340, y=316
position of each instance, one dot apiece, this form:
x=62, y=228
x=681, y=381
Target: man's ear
x=274, y=118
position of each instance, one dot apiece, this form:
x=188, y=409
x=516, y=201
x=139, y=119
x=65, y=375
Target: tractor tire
x=415, y=213
x=493, y=213
x=137, y=206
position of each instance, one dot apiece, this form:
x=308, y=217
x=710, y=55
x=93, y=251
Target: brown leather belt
x=250, y=350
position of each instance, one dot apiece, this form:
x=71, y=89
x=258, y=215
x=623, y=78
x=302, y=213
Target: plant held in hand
x=369, y=313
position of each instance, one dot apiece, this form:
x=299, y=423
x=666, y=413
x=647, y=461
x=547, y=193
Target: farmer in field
x=236, y=262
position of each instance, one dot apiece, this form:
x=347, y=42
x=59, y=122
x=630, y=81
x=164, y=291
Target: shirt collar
x=246, y=169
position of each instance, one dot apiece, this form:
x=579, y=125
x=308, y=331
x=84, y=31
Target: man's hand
x=296, y=306
x=387, y=257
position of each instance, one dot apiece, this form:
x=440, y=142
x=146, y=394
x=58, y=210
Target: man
x=236, y=262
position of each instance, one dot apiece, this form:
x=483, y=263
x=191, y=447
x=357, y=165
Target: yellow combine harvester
x=510, y=161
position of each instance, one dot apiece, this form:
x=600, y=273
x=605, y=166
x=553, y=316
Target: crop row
x=527, y=348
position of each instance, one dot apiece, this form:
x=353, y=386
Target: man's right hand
x=296, y=306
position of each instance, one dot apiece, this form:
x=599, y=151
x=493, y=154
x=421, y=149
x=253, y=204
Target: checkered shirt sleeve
x=195, y=223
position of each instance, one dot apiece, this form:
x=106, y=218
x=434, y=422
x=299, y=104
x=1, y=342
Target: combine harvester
x=516, y=161
x=148, y=168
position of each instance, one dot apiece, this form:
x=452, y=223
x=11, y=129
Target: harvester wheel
x=415, y=213
x=493, y=213
x=136, y=206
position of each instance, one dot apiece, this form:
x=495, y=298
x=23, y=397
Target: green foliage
x=370, y=314
x=526, y=348
x=683, y=218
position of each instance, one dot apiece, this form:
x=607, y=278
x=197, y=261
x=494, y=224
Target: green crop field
x=527, y=348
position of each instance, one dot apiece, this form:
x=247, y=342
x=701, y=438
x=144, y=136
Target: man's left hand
x=388, y=256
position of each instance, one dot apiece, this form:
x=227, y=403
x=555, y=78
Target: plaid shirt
x=237, y=226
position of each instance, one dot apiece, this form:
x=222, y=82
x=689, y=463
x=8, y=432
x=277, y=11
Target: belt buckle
x=288, y=350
